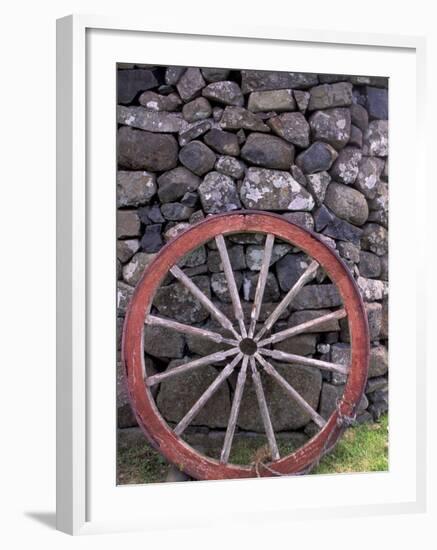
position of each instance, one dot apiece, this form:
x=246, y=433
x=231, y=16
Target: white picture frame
x=81, y=486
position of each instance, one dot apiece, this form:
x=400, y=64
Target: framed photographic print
x=232, y=276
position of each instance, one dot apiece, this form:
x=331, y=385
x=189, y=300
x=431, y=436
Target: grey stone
x=176, y=302
x=285, y=413
x=190, y=84
x=150, y=214
x=349, y=251
x=241, y=135
x=218, y=193
x=347, y=203
x=346, y=167
x=370, y=169
x=317, y=297
x=378, y=361
x=302, y=99
x=224, y=143
x=384, y=267
x=126, y=249
x=163, y=342
x=236, y=257
x=201, y=346
x=371, y=289
x=128, y=224
x=375, y=142
x=235, y=118
x=318, y=184
x=124, y=295
x=299, y=317
x=322, y=217
x=329, y=398
x=255, y=255
x=293, y=127
x=290, y=268
x=135, y=188
x=298, y=175
x=379, y=205
x=377, y=383
x=266, y=310
x=330, y=95
x=274, y=100
x=152, y=239
x=375, y=239
x=356, y=138
x=198, y=109
x=133, y=81
x=302, y=344
x=194, y=130
x=332, y=126
x=174, y=184
x=274, y=190
x=271, y=291
x=178, y=394
x=173, y=74
x=318, y=157
x=379, y=396
x=151, y=121
x=133, y=271
x=230, y=166
x=267, y=151
x=197, y=217
x=138, y=150
x=157, y=102
x=302, y=219
x=197, y=157
x=217, y=113
x=274, y=80
x=176, y=211
x=370, y=264
x=341, y=230
x=359, y=117
x=378, y=409
x=379, y=81
x=226, y=92
x=193, y=260
x=190, y=199
x=214, y=74
x=220, y=287
x=377, y=102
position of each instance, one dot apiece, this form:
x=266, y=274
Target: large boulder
x=138, y=150
x=332, y=126
x=347, y=203
x=293, y=127
x=274, y=190
x=173, y=185
x=218, y=193
x=135, y=188
x=130, y=82
x=268, y=151
x=176, y=302
x=274, y=100
x=274, y=80
x=226, y=92
x=346, y=168
x=376, y=139
x=162, y=342
x=197, y=157
x=330, y=95
x=318, y=157
x=235, y=118
x=151, y=121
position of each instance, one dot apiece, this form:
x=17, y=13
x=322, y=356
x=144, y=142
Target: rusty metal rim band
x=159, y=434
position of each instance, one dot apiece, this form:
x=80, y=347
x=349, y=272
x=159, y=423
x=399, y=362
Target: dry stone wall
x=312, y=147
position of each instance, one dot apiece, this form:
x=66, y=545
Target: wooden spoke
x=300, y=360
x=303, y=327
x=187, y=329
x=307, y=276
x=224, y=457
x=264, y=411
x=207, y=394
x=201, y=362
x=269, y=369
x=233, y=290
x=262, y=280
x=204, y=300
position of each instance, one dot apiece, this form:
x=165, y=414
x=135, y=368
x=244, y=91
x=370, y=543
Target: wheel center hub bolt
x=248, y=346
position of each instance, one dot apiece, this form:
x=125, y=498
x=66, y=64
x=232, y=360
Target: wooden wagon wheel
x=249, y=352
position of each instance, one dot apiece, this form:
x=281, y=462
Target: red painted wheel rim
x=155, y=428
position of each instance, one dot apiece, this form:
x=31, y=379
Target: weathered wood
x=238, y=394
x=301, y=360
x=303, y=327
x=187, y=329
x=264, y=411
x=204, y=300
x=288, y=298
x=261, y=284
x=206, y=395
x=201, y=362
x=232, y=286
x=269, y=369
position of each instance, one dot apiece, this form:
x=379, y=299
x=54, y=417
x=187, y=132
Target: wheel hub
x=248, y=346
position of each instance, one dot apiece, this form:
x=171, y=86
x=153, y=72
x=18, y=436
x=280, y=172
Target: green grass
x=361, y=449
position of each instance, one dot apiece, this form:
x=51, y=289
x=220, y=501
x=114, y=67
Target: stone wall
x=313, y=148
